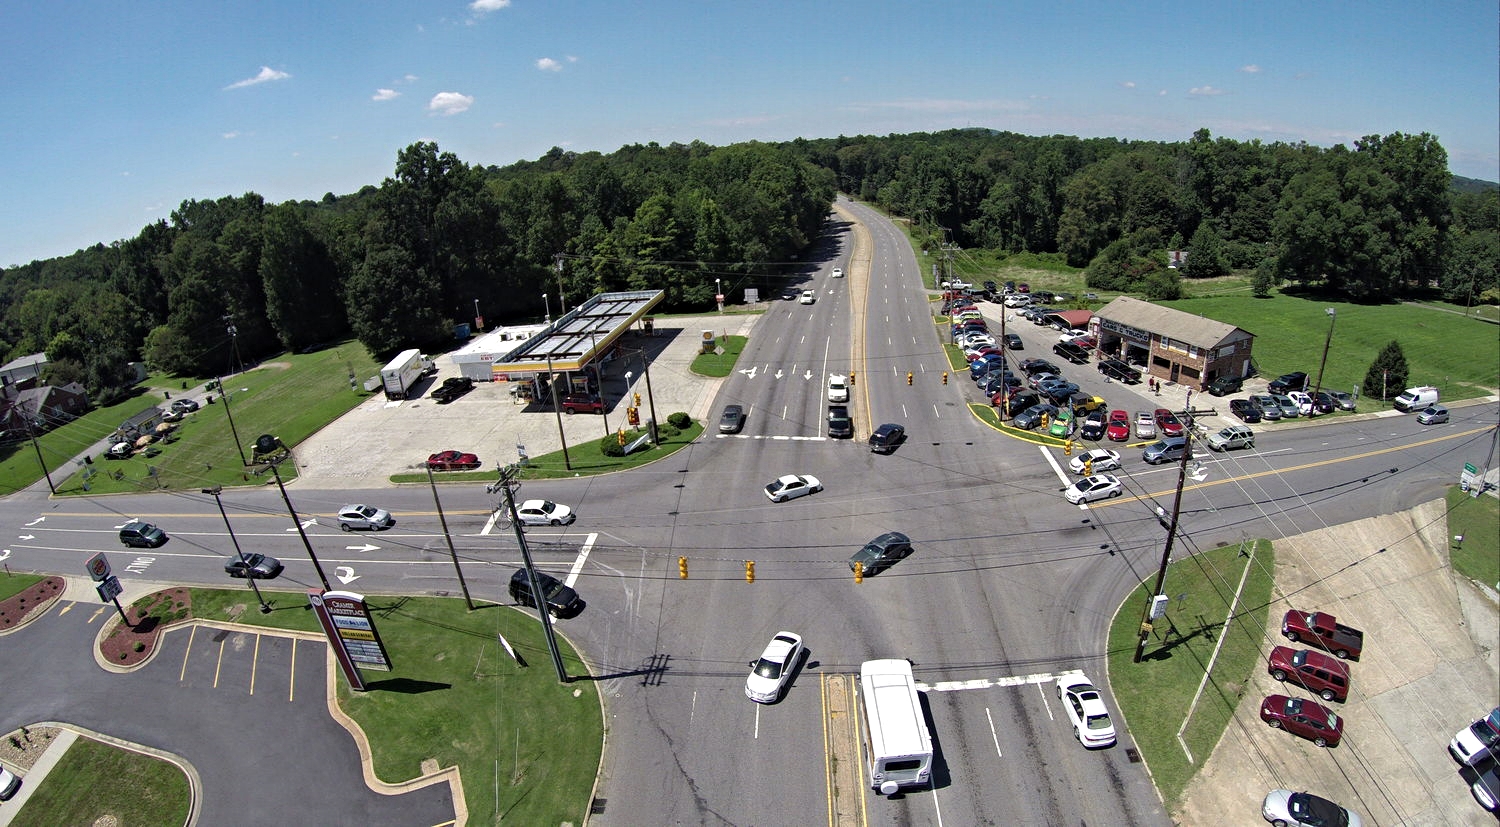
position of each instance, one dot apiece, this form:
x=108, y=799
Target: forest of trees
x=397, y=265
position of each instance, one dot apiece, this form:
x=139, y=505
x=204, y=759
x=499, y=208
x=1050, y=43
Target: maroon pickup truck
x=1321, y=630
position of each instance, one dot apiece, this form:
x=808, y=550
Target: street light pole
x=719, y=294
x=1332, y=317
x=547, y=309
x=265, y=608
x=297, y=522
x=477, y=318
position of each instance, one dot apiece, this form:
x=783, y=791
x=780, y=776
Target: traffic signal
x=945, y=377
x=637, y=400
x=908, y=377
x=859, y=572
x=633, y=415
x=1088, y=468
x=749, y=571
x=682, y=567
x=1068, y=448
x=1045, y=419
x=851, y=378
x=621, y=436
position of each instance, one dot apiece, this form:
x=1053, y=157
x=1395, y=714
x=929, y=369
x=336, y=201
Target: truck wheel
x=1279, y=674
x=1327, y=695
x=1342, y=654
x=1292, y=636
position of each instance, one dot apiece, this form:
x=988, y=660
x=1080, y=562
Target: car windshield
x=768, y=669
x=553, y=589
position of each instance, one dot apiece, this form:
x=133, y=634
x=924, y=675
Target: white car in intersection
x=792, y=486
x=769, y=675
x=1086, y=712
x=544, y=512
x=1097, y=459
x=1097, y=487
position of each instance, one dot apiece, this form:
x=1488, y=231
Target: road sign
x=1470, y=475
x=110, y=588
x=98, y=567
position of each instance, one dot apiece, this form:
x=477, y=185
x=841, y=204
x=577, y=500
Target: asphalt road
x=1008, y=586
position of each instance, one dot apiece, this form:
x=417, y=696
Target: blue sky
x=117, y=112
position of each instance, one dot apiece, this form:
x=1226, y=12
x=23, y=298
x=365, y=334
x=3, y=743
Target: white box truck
x=402, y=373
x=898, y=747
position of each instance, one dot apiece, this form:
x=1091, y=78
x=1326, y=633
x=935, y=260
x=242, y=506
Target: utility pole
x=297, y=522
x=31, y=432
x=1332, y=317
x=508, y=484
x=224, y=395
x=442, y=518
x=556, y=409
x=1166, y=554
x=265, y=608
x=650, y=398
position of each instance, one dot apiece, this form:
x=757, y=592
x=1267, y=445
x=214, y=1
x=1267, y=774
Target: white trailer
x=402, y=373
x=898, y=747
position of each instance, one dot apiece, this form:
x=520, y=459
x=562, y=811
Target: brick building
x=1171, y=345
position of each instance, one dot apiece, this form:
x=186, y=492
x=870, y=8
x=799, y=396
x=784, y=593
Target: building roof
x=1195, y=330
x=1074, y=318
x=580, y=335
x=35, y=361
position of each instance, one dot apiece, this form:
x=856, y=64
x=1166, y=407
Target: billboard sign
x=350, y=630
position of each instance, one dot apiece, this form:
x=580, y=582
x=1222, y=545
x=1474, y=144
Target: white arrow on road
x=750, y=372
x=807, y=375
x=779, y=374
x=28, y=537
x=345, y=574
x=365, y=547
x=5, y=554
x=37, y=520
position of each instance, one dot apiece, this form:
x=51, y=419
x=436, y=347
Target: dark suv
x=1289, y=382
x=1225, y=385
x=452, y=388
x=1119, y=371
x=882, y=552
x=562, y=601
x=142, y=535
x=573, y=403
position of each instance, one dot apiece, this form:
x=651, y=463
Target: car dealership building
x=1170, y=345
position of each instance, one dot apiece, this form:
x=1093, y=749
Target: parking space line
x=254, y=663
x=219, y=663
x=192, y=633
x=993, y=734
x=291, y=682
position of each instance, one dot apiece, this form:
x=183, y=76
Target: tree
x=1387, y=374
x=1206, y=255
x=1264, y=278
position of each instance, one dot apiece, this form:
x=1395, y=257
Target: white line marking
x=583, y=556
x=993, y=734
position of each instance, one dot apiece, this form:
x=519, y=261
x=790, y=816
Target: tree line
x=229, y=281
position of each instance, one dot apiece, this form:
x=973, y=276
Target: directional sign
x=98, y=568
x=110, y=588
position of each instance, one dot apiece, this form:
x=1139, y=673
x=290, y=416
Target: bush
x=666, y=431
x=681, y=421
x=610, y=446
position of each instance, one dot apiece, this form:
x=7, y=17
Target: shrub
x=610, y=446
x=680, y=420
x=666, y=431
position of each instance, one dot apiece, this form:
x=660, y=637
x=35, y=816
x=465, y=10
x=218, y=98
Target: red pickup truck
x=1321, y=630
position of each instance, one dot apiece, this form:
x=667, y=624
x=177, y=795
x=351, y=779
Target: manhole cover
x=596, y=807
x=1133, y=755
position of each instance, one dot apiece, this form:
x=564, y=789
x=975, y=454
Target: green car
x=1062, y=423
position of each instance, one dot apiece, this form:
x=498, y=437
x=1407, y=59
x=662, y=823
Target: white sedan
x=838, y=272
x=808, y=297
x=544, y=512
x=1086, y=711
x=1088, y=489
x=792, y=486
x=769, y=675
x=1098, y=459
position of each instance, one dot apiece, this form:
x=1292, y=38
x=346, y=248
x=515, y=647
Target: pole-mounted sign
x=350, y=630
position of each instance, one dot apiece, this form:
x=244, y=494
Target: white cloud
x=1250, y=69
x=385, y=95
x=486, y=6
x=1129, y=84
x=1204, y=91
x=449, y=103
x=547, y=64
x=266, y=74
x=1162, y=93
x=409, y=78
x=231, y=134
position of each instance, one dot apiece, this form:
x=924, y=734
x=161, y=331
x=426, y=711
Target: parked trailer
x=402, y=373
x=898, y=747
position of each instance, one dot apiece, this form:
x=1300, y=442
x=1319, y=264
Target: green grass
x=94, y=781
x=721, y=362
x=1155, y=694
x=1457, y=355
x=13, y=584
x=1478, y=520
x=289, y=396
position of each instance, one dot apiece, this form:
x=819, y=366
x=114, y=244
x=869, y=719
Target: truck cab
x=1322, y=630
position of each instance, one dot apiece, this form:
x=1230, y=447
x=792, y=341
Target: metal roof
x=1167, y=321
x=579, y=335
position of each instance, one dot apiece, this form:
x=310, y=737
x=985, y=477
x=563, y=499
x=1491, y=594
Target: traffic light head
x=749, y=571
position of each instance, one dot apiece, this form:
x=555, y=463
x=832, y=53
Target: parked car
x=452, y=461
x=1225, y=385
x=1017, y=300
x=887, y=438
x=1032, y=416
x=770, y=672
x=882, y=552
x=1062, y=423
x=1306, y=719
x=452, y=388
x=840, y=425
x=1316, y=672
x=1324, y=402
x=1086, y=712
x=9, y=784
x=1415, y=399
x=1285, y=808
x=1166, y=449
x=1145, y=425
x=1305, y=404
x=1167, y=423
x=1092, y=427
x=1014, y=342
x=1083, y=403
x=256, y=566
x=1245, y=409
x=732, y=420
x=1117, y=427
x=1073, y=353
x=1433, y=415
x=1015, y=400
x=1473, y=741
x=1060, y=391
x=364, y=517
x=183, y=406
x=1288, y=382
x=1288, y=406
x=561, y=599
x=1485, y=783
x=792, y=486
x=1120, y=371
x=1231, y=437
x=1266, y=404
x=545, y=512
x=1031, y=367
x=1097, y=459
x=1345, y=401
x=585, y=403
x=1323, y=631
x=1037, y=380
x=1088, y=489
x=807, y=297
x=137, y=534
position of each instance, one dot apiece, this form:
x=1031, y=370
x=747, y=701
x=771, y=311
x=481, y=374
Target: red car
x=452, y=461
x=983, y=353
x=1312, y=721
x=1167, y=423
x=1118, y=428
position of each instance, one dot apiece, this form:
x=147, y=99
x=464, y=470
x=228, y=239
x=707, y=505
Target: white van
x=898, y=747
x=1415, y=399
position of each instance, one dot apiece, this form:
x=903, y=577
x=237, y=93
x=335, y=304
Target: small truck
x=1321, y=630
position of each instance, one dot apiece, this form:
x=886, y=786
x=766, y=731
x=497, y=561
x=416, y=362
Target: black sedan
x=1245, y=409
x=887, y=437
x=258, y=566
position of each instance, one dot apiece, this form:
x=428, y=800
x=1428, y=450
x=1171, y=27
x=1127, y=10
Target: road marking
x=772, y=436
x=994, y=683
x=1065, y=479
x=993, y=734
x=583, y=556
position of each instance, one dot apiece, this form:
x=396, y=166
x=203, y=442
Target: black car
x=258, y=566
x=1245, y=409
x=1325, y=402
x=887, y=437
x=1092, y=427
x=1059, y=392
x=840, y=426
x=1289, y=382
x=137, y=534
x=1019, y=401
x=882, y=552
x=1013, y=341
x=562, y=600
x=1032, y=367
x=1225, y=385
x=452, y=388
x=1073, y=353
x=1119, y=371
x=732, y=420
